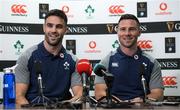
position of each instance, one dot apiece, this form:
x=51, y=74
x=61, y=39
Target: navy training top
x=127, y=77
x=56, y=72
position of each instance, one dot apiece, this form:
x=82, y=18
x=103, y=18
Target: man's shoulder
x=30, y=50
x=112, y=52
x=71, y=54
x=150, y=57
x=108, y=56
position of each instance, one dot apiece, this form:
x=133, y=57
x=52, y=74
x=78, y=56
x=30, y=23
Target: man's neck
x=129, y=51
x=52, y=49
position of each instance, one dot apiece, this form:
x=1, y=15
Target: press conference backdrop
x=91, y=30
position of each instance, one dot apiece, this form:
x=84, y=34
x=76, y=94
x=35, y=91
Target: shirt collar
x=46, y=53
x=135, y=56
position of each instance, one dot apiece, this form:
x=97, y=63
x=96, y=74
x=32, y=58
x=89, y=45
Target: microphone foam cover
x=84, y=66
x=38, y=67
x=98, y=69
x=142, y=69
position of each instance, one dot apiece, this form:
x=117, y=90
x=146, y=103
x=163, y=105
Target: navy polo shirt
x=126, y=70
x=56, y=72
x=127, y=77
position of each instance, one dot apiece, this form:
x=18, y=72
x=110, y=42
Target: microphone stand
x=40, y=100
x=143, y=80
x=109, y=104
x=85, y=97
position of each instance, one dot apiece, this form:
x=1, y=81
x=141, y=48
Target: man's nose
x=54, y=29
x=127, y=32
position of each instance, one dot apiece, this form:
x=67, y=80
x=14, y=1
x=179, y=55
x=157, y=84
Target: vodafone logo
x=169, y=81
x=92, y=44
x=145, y=44
x=163, y=9
x=65, y=9
x=116, y=9
x=163, y=6
x=19, y=9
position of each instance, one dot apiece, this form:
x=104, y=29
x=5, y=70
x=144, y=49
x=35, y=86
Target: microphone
x=100, y=70
x=143, y=81
x=38, y=70
x=40, y=100
x=84, y=68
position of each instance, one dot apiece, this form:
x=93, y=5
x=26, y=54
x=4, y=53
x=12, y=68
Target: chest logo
x=115, y=64
x=66, y=65
x=145, y=65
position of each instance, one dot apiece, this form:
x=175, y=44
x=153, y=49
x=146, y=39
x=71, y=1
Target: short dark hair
x=58, y=13
x=129, y=16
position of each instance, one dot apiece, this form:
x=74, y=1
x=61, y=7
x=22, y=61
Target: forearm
x=77, y=91
x=20, y=93
x=100, y=94
x=20, y=100
x=100, y=91
x=156, y=94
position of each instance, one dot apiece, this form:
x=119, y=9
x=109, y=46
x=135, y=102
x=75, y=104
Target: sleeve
x=21, y=71
x=156, y=77
x=104, y=62
x=75, y=79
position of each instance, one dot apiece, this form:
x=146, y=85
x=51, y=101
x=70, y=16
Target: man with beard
x=126, y=65
x=56, y=65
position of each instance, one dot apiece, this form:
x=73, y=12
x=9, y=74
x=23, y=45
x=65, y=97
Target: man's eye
x=122, y=29
x=50, y=25
x=132, y=29
x=59, y=26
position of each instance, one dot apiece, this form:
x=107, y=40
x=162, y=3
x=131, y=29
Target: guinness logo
x=170, y=25
x=142, y=5
x=170, y=46
x=43, y=10
x=170, y=40
x=141, y=9
x=71, y=46
x=44, y=7
x=111, y=28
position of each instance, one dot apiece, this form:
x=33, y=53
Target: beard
x=129, y=44
x=54, y=42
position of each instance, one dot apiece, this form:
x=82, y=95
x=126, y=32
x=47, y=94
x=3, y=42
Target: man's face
x=128, y=32
x=54, y=29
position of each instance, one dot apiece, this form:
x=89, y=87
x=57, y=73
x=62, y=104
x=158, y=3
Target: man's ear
x=43, y=27
x=66, y=31
x=139, y=33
